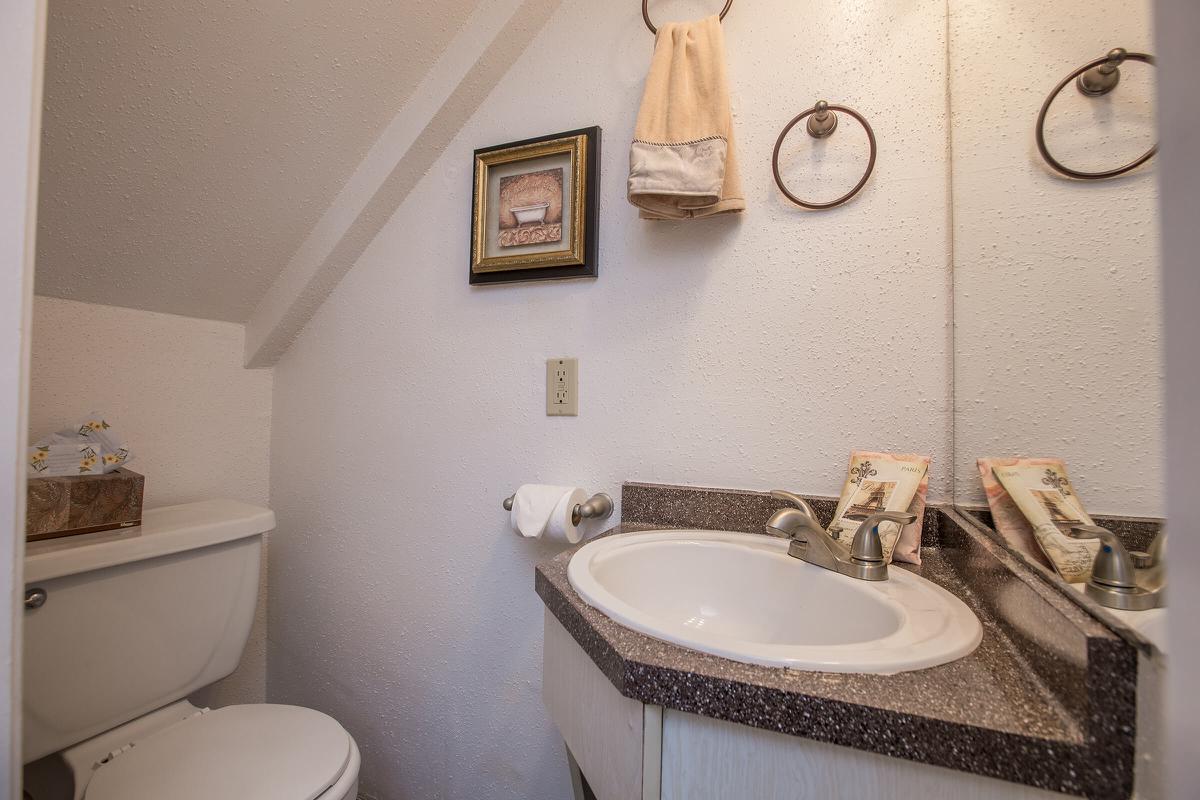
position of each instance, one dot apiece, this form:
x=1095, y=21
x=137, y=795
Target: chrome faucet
x=1114, y=582
x=863, y=559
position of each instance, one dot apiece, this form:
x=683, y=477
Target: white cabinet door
x=605, y=731
x=707, y=758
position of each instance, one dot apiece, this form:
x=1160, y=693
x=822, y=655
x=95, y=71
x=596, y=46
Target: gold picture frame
x=534, y=211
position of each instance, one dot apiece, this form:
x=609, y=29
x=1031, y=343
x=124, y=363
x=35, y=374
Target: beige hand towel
x=682, y=161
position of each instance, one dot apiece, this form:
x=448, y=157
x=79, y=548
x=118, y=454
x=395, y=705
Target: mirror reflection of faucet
x=863, y=559
x=1123, y=580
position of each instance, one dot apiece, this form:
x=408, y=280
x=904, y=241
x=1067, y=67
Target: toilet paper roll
x=561, y=528
x=544, y=512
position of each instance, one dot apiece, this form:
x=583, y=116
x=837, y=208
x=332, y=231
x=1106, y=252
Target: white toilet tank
x=136, y=619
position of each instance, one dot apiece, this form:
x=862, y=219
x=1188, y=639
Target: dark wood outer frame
x=590, y=267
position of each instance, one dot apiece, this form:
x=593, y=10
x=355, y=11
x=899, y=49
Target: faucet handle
x=1155, y=555
x=867, y=546
x=1141, y=559
x=1113, y=565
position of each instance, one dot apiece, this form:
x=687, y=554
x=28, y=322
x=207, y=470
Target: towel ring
x=654, y=30
x=1093, y=79
x=822, y=122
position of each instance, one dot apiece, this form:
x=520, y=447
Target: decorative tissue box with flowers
x=77, y=483
x=66, y=506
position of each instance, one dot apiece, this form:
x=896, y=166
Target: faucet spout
x=811, y=543
x=797, y=522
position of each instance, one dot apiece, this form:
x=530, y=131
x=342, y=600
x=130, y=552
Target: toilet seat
x=265, y=752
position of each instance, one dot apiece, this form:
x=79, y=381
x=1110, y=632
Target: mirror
x=1057, y=326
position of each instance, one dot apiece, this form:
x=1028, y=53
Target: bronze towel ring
x=1093, y=79
x=654, y=30
x=823, y=122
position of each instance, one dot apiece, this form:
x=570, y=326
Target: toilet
x=121, y=627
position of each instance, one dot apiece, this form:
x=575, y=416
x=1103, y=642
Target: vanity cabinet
x=630, y=750
x=1052, y=703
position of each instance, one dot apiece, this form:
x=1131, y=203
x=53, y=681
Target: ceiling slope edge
x=474, y=63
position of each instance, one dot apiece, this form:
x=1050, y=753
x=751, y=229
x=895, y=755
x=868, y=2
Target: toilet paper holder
x=598, y=506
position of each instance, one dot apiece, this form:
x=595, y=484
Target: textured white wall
x=490, y=40
x=751, y=352
x=174, y=387
x=1057, y=317
x=211, y=136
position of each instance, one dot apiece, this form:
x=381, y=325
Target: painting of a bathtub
x=528, y=214
x=535, y=209
x=531, y=208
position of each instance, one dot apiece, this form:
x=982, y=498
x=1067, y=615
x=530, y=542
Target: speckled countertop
x=1023, y=707
x=1136, y=533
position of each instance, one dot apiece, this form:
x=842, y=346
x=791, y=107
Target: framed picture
x=536, y=213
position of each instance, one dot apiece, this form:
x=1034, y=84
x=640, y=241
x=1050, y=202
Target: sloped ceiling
x=188, y=147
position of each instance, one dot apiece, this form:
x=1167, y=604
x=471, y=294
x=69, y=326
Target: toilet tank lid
x=166, y=530
x=267, y=752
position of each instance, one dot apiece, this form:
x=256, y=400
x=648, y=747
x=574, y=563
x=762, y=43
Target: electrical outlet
x=562, y=387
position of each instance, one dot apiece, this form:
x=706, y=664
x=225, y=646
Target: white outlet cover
x=562, y=387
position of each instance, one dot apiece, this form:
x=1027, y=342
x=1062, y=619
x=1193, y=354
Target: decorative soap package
x=1033, y=506
x=884, y=482
x=1007, y=519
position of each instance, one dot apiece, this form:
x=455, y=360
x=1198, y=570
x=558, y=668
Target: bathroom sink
x=740, y=596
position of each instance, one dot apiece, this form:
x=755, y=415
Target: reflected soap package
x=884, y=482
x=90, y=447
x=1033, y=506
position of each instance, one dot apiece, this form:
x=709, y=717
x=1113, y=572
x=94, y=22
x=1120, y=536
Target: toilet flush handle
x=35, y=598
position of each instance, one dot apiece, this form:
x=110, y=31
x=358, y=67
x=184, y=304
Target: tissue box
x=83, y=504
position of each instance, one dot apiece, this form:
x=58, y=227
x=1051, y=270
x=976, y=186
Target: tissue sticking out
x=90, y=447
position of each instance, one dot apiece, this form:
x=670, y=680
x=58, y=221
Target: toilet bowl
x=265, y=752
x=133, y=622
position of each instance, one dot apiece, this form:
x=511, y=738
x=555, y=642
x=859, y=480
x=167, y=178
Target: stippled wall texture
x=198, y=424
x=188, y=147
x=1057, y=321
x=751, y=351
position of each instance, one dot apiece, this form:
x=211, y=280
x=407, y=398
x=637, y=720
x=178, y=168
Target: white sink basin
x=741, y=596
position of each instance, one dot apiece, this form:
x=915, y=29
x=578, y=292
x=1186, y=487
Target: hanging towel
x=682, y=162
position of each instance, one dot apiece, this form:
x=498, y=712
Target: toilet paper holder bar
x=598, y=506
